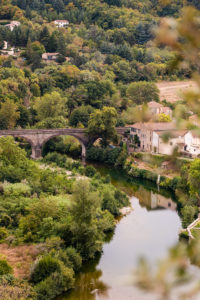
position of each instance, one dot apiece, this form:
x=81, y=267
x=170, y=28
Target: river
x=149, y=231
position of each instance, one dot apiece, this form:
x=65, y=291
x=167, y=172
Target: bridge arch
x=45, y=140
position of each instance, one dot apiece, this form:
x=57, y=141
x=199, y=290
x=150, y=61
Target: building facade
x=61, y=23
x=149, y=141
x=13, y=24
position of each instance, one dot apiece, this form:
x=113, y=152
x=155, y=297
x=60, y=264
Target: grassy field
x=172, y=90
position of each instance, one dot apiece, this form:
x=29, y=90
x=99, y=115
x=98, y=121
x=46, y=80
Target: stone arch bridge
x=38, y=137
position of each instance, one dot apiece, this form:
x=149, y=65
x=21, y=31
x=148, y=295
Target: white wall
x=192, y=143
x=155, y=142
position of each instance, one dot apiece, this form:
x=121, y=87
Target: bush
x=3, y=233
x=5, y=268
x=108, y=221
x=74, y=258
x=107, y=155
x=70, y=258
x=16, y=189
x=44, y=267
x=56, y=284
x=144, y=174
x=90, y=171
x=189, y=213
x=15, y=289
x=58, y=158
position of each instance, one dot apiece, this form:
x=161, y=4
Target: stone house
x=50, y=56
x=145, y=132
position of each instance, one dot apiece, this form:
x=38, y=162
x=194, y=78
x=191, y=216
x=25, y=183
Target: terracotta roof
x=173, y=133
x=164, y=126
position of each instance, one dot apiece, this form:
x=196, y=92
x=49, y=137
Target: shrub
x=12, y=288
x=188, y=213
x=5, y=220
x=107, y=221
x=44, y=267
x=58, y=158
x=90, y=171
x=107, y=155
x=74, y=258
x=56, y=284
x=3, y=233
x=5, y=268
x=109, y=203
x=16, y=189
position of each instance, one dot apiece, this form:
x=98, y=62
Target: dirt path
x=172, y=90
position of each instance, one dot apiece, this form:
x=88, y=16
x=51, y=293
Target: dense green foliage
x=5, y=268
x=69, y=218
x=105, y=58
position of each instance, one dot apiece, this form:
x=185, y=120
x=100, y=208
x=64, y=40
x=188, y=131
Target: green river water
x=149, y=231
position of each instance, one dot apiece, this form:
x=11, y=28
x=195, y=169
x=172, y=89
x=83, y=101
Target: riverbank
x=61, y=215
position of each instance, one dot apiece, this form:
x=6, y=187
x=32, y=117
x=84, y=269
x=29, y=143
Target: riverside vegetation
x=66, y=219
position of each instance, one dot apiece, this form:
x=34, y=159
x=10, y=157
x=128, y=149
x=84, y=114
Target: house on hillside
x=156, y=108
x=61, y=23
x=176, y=140
x=145, y=133
x=7, y=51
x=13, y=24
x=192, y=142
x=50, y=56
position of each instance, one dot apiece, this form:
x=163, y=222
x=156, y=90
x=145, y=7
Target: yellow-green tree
x=102, y=125
x=50, y=105
x=8, y=115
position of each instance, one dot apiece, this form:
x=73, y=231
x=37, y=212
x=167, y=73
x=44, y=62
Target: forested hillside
x=106, y=46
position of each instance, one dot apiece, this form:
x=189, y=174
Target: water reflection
x=89, y=285
x=149, y=231
x=152, y=200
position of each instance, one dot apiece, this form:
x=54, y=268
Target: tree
x=44, y=37
x=61, y=45
x=52, y=122
x=33, y=54
x=102, y=125
x=50, y=106
x=194, y=175
x=8, y=115
x=87, y=234
x=80, y=115
x=143, y=92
